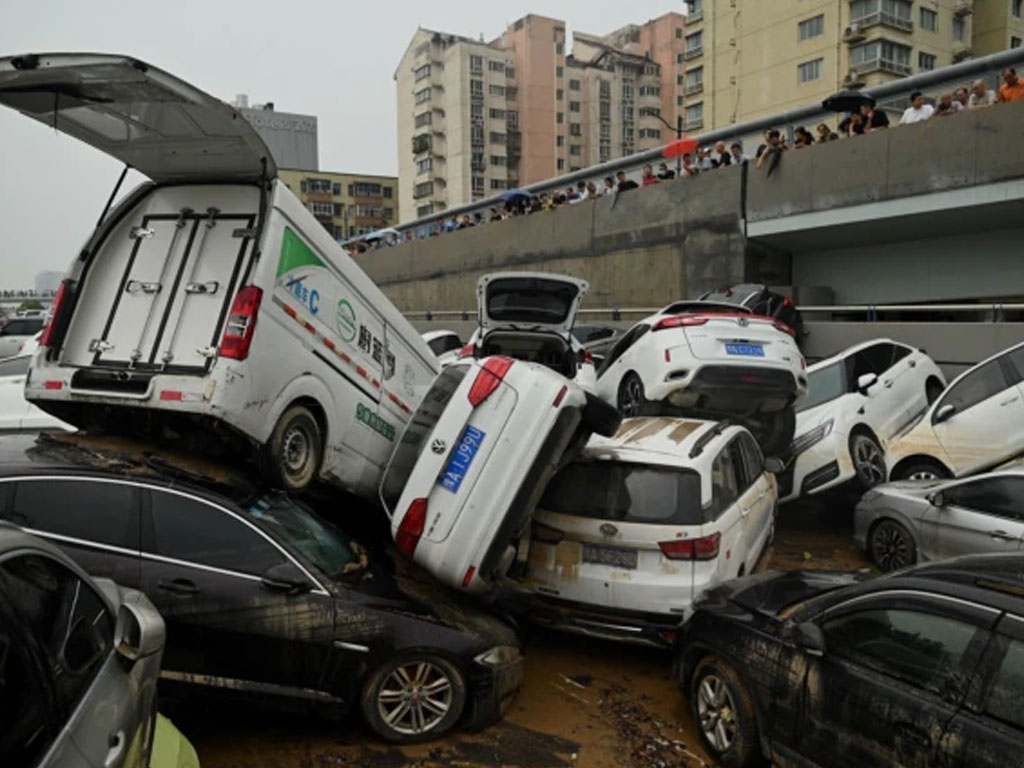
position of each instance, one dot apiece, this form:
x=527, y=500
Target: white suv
x=709, y=360
x=627, y=536
x=467, y=472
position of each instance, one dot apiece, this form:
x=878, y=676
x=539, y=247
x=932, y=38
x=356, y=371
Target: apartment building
x=998, y=25
x=347, y=204
x=476, y=118
x=747, y=58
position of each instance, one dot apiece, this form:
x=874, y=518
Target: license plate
x=461, y=459
x=613, y=556
x=746, y=350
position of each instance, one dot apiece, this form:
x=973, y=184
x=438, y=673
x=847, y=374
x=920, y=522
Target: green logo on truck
x=295, y=253
x=375, y=422
x=345, y=320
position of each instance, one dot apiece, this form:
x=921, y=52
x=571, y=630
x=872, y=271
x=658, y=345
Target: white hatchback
x=474, y=459
x=857, y=401
x=709, y=360
x=628, y=536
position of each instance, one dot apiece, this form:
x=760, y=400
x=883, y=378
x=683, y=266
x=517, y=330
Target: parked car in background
x=589, y=334
x=16, y=413
x=445, y=345
x=909, y=521
x=709, y=360
x=922, y=667
x=210, y=296
x=79, y=660
x=261, y=597
x=975, y=425
x=629, y=534
x=761, y=300
x=16, y=331
x=469, y=469
x=857, y=401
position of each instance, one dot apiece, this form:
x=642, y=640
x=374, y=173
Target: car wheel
x=414, y=698
x=892, y=546
x=600, y=417
x=920, y=469
x=632, y=399
x=776, y=433
x=868, y=460
x=725, y=715
x=932, y=389
x=295, y=450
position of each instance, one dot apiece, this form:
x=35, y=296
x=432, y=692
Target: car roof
x=1001, y=573
x=853, y=349
x=978, y=365
x=431, y=335
x=660, y=439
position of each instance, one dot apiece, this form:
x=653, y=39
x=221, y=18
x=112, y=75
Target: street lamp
x=679, y=134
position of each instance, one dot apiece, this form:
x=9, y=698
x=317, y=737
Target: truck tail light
x=411, y=528
x=241, y=323
x=704, y=548
x=58, y=305
x=679, y=321
x=488, y=378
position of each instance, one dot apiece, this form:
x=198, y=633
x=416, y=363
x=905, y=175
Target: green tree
x=31, y=304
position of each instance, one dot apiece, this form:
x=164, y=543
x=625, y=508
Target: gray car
x=909, y=521
x=79, y=660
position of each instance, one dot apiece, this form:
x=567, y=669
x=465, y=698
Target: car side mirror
x=945, y=413
x=937, y=499
x=809, y=638
x=866, y=381
x=774, y=465
x=140, y=631
x=286, y=577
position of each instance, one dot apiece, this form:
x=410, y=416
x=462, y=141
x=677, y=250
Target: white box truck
x=210, y=298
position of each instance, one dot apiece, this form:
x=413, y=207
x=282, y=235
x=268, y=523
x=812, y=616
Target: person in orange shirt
x=1012, y=88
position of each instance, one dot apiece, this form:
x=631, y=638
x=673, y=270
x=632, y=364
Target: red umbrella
x=679, y=147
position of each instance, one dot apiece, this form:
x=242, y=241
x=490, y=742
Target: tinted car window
x=899, y=352
x=976, y=386
x=22, y=327
x=1004, y=701
x=1016, y=360
x=921, y=649
x=191, y=530
x=1002, y=496
x=92, y=510
x=633, y=493
x=71, y=622
x=753, y=460
x=16, y=366
x=26, y=711
x=443, y=344
x=631, y=337
x=878, y=357
x=725, y=478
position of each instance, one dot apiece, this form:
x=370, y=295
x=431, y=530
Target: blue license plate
x=746, y=350
x=461, y=459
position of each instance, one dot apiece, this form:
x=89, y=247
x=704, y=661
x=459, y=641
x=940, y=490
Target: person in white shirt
x=917, y=111
x=981, y=96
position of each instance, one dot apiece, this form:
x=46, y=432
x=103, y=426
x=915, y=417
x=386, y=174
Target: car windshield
x=823, y=385
x=626, y=492
x=295, y=523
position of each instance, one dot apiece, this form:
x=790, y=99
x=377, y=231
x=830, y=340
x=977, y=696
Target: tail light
x=241, y=323
x=679, y=321
x=467, y=351
x=560, y=396
x=58, y=304
x=587, y=357
x=469, y=576
x=411, y=528
x=704, y=548
x=781, y=326
x=487, y=380
x=545, y=534
x=787, y=302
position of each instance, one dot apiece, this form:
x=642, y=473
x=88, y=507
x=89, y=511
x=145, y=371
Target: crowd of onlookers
x=866, y=119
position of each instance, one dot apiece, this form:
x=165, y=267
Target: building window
x=604, y=89
x=499, y=184
x=559, y=117
x=511, y=118
x=881, y=54
x=679, y=101
x=423, y=189
x=477, y=183
x=476, y=134
x=424, y=118
x=604, y=153
x=497, y=114
x=425, y=165
x=627, y=113
x=422, y=96
x=559, y=141
x=318, y=185
x=560, y=164
x=574, y=106
x=575, y=129
x=695, y=114
x=559, y=51
x=422, y=143
x=510, y=72
x=386, y=191
x=1015, y=42
x=605, y=108
x=421, y=73
x=652, y=111
x=650, y=90
x=476, y=63
x=476, y=113
x=895, y=13
x=650, y=133
x=476, y=87
x=559, y=71
x=627, y=91
x=321, y=209
x=575, y=149
x=809, y=70
x=809, y=28
x=605, y=132
x=959, y=30
x=929, y=20
x=496, y=90
x=679, y=32
x=694, y=44
x=694, y=79
x=574, y=85
x=499, y=160
x=559, y=94
x=925, y=61
x=364, y=189
x=336, y=189
x=497, y=138
x=496, y=66
x=1018, y=10
x=510, y=92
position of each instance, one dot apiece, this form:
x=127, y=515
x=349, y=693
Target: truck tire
x=295, y=451
x=776, y=432
x=601, y=417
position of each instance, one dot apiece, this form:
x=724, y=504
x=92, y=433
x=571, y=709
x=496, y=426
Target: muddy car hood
x=770, y=592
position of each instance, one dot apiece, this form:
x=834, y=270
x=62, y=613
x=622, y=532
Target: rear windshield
x=628, y=493
x=443, y=344
x=824, y=385
x=414, y=439
x=530, y=300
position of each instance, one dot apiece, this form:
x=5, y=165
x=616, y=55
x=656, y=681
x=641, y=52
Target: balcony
x=963, y=8
x=694, y=88
x=694, y=16
x=693, y=124
x=885, y=19
x=693, y=53
x=881, y=65
x=962, y=51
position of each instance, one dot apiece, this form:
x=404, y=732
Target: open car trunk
x=547, y=349
x=535, y=301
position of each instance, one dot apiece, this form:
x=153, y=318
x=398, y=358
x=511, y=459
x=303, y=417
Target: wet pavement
x=585, y=703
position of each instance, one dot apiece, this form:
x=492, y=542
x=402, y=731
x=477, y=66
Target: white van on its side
x=212, y=296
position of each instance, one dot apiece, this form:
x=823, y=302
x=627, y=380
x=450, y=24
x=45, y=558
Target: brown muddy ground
x=584, y=704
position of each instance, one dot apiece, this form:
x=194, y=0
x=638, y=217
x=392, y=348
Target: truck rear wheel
x=295, y=451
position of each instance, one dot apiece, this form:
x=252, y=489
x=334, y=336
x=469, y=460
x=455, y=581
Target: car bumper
x=492, y=691
x=734, y=385
x=633, y=627
x=824, y=465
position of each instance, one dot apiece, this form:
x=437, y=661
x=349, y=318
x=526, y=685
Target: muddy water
x=584, y=704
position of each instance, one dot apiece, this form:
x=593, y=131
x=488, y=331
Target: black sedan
x=260, y=596
x=923, y=667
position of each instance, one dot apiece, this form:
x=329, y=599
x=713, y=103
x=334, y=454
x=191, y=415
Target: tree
x=31, y=304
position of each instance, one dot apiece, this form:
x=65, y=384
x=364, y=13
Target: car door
x=202, y=567
x=971, y=419
x=762, y=504
x=13, y=405
x=893, y=675
x=884, y=405
x=732, y=499
x=909, y=384
x=979, y=515
x=94, y=520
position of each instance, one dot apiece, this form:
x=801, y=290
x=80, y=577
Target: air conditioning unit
x=963, y=8
x=853, y=79
x=853, y=33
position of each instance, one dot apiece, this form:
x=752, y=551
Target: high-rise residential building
x=998, y=25
x=47, y=282
x=476, y=118
x=347, y=204
x=291, y=138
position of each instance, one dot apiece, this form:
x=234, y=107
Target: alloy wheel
x=631, y=399
x=415, y=697
x=716, y=713
x=868, y=461
x=924, y=474
x=891, y=547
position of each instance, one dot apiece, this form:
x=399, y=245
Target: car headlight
x=807, y=439
x=498, y=656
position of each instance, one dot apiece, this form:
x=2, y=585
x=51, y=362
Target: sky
x=331, y=59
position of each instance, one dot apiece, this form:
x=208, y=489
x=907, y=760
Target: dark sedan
x=922, y=667
x=261, y=597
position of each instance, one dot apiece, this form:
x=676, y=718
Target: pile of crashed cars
x=249, y=402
